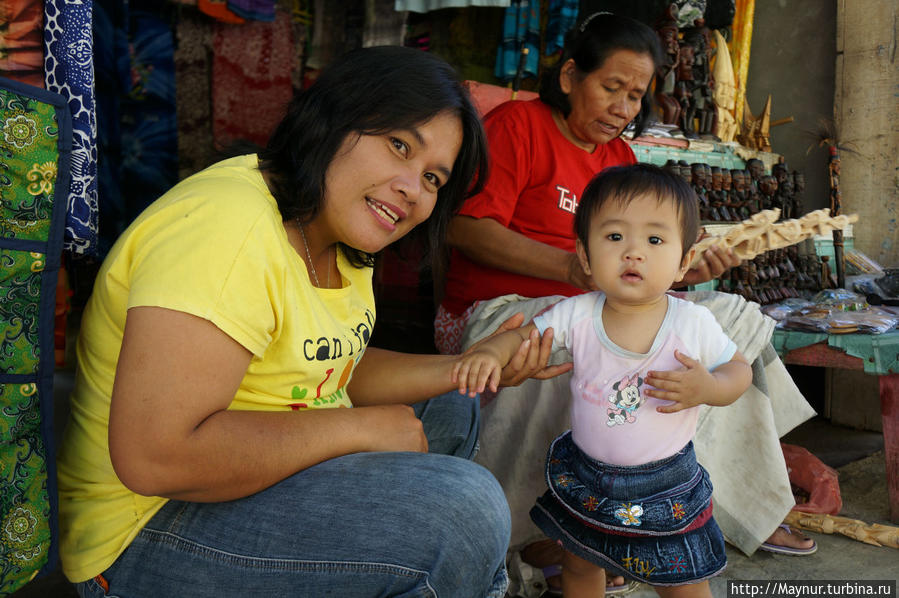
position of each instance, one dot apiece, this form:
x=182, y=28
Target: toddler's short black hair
x=624, y=183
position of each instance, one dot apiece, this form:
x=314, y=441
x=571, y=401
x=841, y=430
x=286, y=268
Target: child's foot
x=547, y=555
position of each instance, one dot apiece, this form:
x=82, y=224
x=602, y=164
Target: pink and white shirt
x=611, y=419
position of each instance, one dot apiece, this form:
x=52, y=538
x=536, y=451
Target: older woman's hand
x=576, y=275
x=530, y=361
x=715, y=262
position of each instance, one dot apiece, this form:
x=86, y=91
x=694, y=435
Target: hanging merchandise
x=725, y=90
x=193, y=71
x=521, y=31
x=136, y=124
x=251, y=79
x=256, y=10
x=35, y=143
x=382, y=26
x=218, y=9
x=740, y=45
x=562, y=17
x=429, y=5
x=22, y=41
x=69, y=71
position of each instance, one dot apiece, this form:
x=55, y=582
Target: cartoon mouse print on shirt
x=625, y=401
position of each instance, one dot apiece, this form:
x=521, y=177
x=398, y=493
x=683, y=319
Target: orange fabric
x=218, y=9
x=22, y=41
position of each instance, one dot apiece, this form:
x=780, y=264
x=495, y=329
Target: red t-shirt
x=536, y=176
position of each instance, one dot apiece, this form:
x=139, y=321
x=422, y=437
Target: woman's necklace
x=309, y=258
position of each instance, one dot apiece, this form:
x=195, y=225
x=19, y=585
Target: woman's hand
x=530, y=361
x=576, y=275
x=394, y=428
x=715, y=261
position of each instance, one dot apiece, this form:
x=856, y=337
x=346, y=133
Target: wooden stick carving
x=874, y=534
x=762, y=232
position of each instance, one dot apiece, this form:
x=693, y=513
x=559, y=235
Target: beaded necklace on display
x=309, y=258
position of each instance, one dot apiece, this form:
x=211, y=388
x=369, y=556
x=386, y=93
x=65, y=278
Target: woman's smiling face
x=379, y=187
x=604, y=101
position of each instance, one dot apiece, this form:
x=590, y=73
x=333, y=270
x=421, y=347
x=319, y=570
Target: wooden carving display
x=762, y=232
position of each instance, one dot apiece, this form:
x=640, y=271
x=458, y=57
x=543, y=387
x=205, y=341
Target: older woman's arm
x=488, y=242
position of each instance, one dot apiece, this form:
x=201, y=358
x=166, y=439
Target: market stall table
x=876, y=354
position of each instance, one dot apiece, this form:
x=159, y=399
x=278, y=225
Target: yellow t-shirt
x=215, y=247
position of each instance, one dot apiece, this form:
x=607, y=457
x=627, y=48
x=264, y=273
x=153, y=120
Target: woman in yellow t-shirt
x=231, y=433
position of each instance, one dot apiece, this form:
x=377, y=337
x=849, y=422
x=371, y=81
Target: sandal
x=778, y=549
x=553, y=592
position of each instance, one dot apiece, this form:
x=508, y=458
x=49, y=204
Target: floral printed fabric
x=69, y=71
x=35, y=142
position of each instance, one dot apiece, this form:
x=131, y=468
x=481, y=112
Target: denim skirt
x=651, y=523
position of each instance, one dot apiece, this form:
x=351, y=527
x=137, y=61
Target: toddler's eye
x=614, y=236
x=654, y=240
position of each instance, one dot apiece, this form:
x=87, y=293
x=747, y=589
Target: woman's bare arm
x=170, y=433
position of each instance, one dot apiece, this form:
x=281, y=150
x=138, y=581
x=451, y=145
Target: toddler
x=625, y=491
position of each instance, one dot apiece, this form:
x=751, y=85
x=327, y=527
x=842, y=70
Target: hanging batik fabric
x=35, y=143
x=69, y=71
x=135, y=96
x=521, y=29
x=562, y=17
x=251, y=79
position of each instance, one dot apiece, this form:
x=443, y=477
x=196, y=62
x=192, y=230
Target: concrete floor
x=857, y=455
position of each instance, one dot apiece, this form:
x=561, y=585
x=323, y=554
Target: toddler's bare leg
x=693, y=590
x=582, y=579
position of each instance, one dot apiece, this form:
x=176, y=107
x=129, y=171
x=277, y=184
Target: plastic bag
x=814, y=477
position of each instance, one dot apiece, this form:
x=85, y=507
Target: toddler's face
x=634, y=253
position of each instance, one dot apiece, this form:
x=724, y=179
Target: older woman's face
x=607, y=99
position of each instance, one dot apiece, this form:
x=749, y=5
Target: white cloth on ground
x=739, y=445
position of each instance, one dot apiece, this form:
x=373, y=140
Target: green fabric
x=20, y=296
x=878, y=352
x=25, y=523
x=29, y=155
x=28, y=138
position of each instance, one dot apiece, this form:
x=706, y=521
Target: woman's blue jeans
x=362, y=525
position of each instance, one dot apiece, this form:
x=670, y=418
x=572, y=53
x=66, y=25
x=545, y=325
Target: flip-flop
x=776, y=548
x=553, y=570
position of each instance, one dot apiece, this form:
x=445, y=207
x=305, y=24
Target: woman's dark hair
x=624, y=183
x=589, y=44
x=371, y=91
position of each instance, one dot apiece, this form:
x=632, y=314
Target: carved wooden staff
x=835, y=207
x=875, y=534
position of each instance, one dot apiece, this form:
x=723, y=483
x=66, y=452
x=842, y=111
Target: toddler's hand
x=475, y=370
x=688, y=386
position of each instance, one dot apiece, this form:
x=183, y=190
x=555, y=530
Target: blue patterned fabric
x=521, y=28
x=35, y=148
x=562, y=17
x=136, y=124
x=69, y=71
